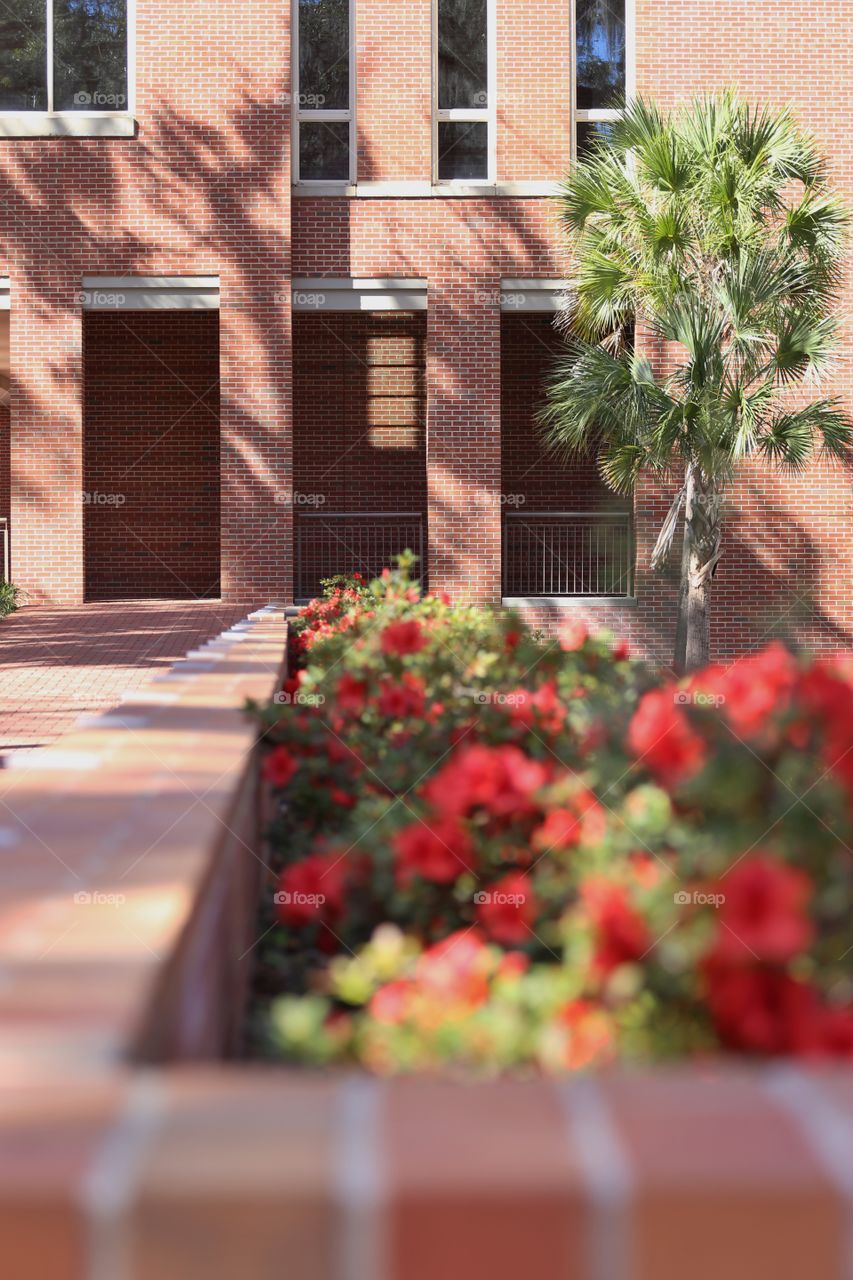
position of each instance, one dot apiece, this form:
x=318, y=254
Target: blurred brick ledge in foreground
x=218, y=1173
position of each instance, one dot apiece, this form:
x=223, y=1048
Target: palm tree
x=711, y=234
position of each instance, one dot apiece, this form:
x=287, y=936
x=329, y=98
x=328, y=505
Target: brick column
x=46, y=367
x=464, y=439
x=256, y=443
x=255, y=335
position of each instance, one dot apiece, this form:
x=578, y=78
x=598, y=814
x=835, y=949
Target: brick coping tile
x=225, y=1171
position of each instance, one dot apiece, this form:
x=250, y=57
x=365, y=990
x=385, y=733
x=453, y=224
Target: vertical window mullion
x=294, y=89
x=49, y=52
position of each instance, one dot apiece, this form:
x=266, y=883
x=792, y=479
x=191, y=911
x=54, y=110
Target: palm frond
x=805, y=345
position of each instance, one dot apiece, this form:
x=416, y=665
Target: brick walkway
x=57, y=664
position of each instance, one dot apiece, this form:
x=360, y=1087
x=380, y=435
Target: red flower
x=560, y=830
x=661, y=737
x=507, y=910
x=621, y=933
x=403, y=638
x=311, y=891
x=512, y=966
x=438, y=850
x=585, y=821
x=827, y=693
x=279, y=767
x=392, y=1003
x=591, y=1034
x=456, y=969
x=621, y=651
x=399, y=701
x=290, y=687
x=351, y=694
x=764, y=914
x=762, y=1010
x=752, y=690
x=502, y=780
x=837, y=1031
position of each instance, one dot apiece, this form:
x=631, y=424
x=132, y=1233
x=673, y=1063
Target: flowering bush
x=493, y=851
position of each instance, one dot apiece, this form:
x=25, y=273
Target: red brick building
x=276, y=293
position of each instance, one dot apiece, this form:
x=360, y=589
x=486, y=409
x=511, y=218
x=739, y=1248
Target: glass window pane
x=462, y=54
x=588, y=132
x=90, y=55
x=23, y=50
x=600, y=52
x=324, y=151
x=324, y=54
x=463, y=150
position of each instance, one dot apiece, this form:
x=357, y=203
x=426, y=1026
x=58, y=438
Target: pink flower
x=574, y=635
x=456, y=969
x=391, y=1004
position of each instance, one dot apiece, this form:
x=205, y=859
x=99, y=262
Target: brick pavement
x=58, y=664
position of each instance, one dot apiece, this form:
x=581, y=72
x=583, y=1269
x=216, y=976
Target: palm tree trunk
x=702, y=536
x=680, y=663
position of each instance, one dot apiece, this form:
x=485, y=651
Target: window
x=464, y=91
x=602, y=70
x=64, y=55
x=323, y=75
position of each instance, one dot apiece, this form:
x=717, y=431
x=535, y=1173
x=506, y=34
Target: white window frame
x=50, y=71
x=76, y=123
x=475, y=115
x=600, y=115
x=309, y=115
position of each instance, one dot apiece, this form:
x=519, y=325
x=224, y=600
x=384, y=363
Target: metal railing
x=365, y=542
x=567, y=553
x=4, y=539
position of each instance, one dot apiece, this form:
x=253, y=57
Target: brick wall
x=203, y=187
x=151, y=454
